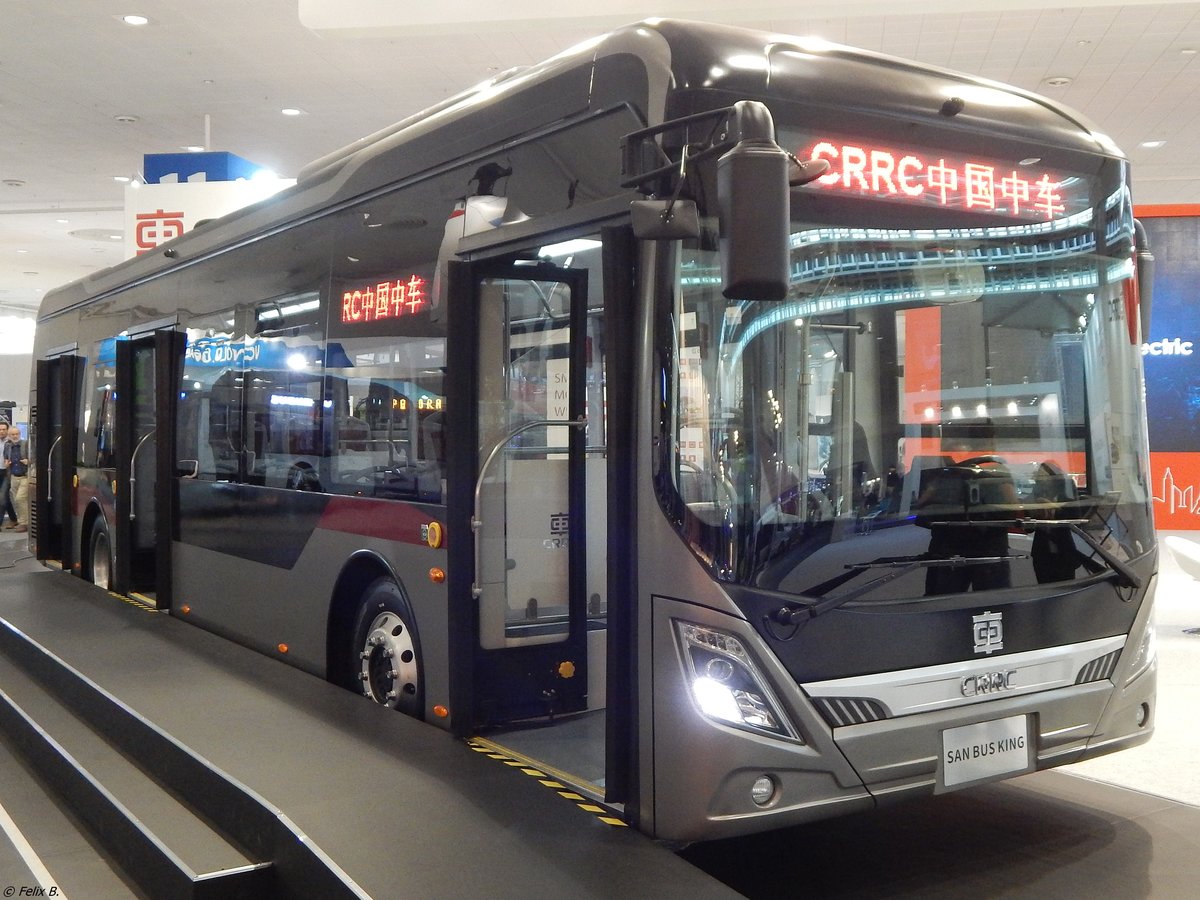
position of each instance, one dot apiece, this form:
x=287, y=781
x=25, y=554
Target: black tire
x=385, y=658
x=100, y=564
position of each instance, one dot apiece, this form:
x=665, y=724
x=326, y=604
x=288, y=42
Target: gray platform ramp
x=214, y=762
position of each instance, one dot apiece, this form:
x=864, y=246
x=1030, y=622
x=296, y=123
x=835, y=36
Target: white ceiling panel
x=68, y=68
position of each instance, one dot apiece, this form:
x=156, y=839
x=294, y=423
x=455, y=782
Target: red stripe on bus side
x=384, y=519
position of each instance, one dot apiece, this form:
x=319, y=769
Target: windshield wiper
x=902, y=566
x=1123, y=573
x=795, y=616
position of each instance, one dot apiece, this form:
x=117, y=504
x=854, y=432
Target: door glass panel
x=144, y=457
x=209, y=432
x=525, y=376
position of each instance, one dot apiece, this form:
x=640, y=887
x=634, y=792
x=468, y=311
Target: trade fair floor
x=297, y=790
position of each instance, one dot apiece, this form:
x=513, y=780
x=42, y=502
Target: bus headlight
x=725, y=683
x=1147, y=651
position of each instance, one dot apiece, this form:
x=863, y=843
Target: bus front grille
x=839, y=711
x=1099, y=668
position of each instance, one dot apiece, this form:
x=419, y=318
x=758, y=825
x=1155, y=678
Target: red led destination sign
x=934, y=178
x=384, y=300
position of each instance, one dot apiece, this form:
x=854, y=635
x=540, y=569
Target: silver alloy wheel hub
x=100, y=562
x=388, y=664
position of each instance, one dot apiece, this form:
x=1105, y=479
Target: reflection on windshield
x=928, y=412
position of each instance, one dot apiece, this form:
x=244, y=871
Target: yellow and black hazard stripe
x=545, y=775
x=136, y=600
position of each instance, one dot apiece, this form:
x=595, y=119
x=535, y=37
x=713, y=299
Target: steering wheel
x=303, y=478
x=983, y=460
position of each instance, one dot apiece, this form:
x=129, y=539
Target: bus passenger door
x=57, y=442
x=147, y=371
x=526, y=404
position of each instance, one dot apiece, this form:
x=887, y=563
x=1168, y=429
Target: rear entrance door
x=147, y=368
x=56, y=433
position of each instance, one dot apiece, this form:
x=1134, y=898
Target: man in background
x=6, y=507
x=16, y=457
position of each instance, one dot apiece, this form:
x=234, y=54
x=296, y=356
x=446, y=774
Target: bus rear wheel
x=99, y=556
x=386, y=663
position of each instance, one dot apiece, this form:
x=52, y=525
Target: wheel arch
x=359, y=572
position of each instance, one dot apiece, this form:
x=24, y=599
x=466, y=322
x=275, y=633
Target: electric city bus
x=745, y=429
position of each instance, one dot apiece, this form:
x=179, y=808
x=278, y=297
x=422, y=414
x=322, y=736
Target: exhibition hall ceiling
x=83, y=95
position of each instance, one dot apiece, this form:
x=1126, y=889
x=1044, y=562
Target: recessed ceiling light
x=124, y=179
x=135, y=20
x=1058, y=80
x=193, y=148
x=95, y=234
x=1153, y=145
x=63, y=221
x=293, y=111
x=1188, y=51
x=126, y=119
x=1030, y=161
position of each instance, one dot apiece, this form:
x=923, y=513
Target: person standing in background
x=17, y=458
x=6, y=507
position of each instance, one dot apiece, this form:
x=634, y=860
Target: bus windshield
x=944, y=402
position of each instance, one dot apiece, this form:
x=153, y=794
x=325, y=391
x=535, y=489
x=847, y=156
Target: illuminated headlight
x=725, y=683
x=1147, y=651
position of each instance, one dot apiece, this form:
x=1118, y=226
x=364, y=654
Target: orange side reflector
x=436, y=575
x=185, y=609
x=282, y=648
x=440, y=711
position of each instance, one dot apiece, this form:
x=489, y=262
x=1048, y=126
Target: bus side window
x=390, y=446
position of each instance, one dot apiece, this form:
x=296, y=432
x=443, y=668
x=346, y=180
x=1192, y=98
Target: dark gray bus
x=746, y=429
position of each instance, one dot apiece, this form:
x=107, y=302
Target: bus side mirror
x=752, y=195
x=1145, y=277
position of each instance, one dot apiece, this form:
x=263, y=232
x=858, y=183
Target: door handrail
x=50, y=469
x=477, y=513
x=133, y=477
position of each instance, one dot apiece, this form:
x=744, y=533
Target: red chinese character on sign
x=1015, y=189
x=395, y=297
x=416, y=293
x=1049, y=200
x=156, y=228
x=368, y=304
x=981, y=186
x=382, y=298
x=942, y=177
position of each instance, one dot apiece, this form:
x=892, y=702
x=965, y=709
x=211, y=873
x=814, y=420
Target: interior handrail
x=476, y=516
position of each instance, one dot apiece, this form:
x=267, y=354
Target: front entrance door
x=529, y=505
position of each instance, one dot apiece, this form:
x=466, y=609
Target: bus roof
x=672, y=55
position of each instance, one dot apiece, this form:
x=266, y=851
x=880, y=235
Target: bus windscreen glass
x=947, y=395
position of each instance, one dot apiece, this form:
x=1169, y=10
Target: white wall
x=14, y=378
x=16, y=358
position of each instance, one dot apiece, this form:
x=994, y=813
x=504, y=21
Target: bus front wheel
x=386, y=662
x=99, y=556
